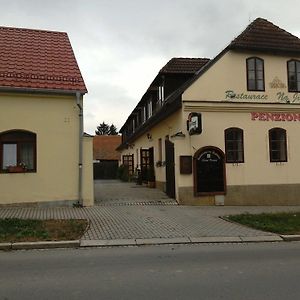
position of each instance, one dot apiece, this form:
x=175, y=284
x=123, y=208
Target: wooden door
x=170, y=169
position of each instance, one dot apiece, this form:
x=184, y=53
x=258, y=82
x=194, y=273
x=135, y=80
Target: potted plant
x=151, y=177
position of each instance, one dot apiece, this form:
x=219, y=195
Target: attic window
x=255, y=74
x=294, y=75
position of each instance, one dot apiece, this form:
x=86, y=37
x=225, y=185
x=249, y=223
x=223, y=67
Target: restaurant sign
x=246, y=97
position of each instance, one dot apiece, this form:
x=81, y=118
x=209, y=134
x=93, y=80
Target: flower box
x=16, y=169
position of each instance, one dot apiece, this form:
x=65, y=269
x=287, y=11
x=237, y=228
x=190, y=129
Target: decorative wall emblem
x=277, y=84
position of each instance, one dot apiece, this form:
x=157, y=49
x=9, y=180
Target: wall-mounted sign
x=231, y=95
x=246, y=97
x=194, y=123
x=186, y=164
x=277, y=84
x=268, y=116
x=286, y=98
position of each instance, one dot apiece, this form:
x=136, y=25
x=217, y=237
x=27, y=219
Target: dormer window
x=149, y=108
x=294, y=75
x=161, y=95
x=255, y=74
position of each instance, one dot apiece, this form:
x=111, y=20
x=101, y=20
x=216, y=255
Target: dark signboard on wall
x=186, y=164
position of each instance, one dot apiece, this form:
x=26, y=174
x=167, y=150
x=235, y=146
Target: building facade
x=229, y=135
x=45, y=159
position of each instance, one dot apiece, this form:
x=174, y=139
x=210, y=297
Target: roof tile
x=184, y=65
x=104, y=147
x=264, y=35
x=38, y=59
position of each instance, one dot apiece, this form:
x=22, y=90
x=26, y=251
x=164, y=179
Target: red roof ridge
x=32, y=29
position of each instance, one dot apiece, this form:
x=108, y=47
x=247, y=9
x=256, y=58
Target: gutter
x=4, y=89
x=80, y=133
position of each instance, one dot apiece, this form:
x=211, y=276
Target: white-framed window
x=149, y=109
x=161, y=95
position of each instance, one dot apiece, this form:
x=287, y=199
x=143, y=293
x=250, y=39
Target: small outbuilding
x=106, y=157
x=45, y=159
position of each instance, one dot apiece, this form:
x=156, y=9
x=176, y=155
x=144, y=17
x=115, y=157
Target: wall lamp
x=178, y=134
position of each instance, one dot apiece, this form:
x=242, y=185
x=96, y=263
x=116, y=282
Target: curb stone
x=290, y=237
x=146, y=241
x=39, y=245
x=5, y=246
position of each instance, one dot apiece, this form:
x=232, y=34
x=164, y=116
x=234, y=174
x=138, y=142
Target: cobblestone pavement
x=145, y=217
x=115, y=192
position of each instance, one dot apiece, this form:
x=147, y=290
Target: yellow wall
x=55, y=121
x=229, y=73
x=207, y=95
x=168, y=127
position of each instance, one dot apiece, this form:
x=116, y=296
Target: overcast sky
x=120, y=45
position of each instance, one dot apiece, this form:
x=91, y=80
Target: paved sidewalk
x=136, y=215
x=149, y=222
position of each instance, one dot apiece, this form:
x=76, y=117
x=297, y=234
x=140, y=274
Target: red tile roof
x=184, y=65
x=264, y=35
x=38, y=59
x=104, y=147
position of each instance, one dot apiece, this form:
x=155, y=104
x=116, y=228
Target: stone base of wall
x=281, y=194
x=61, y=203
x=161, y=185
x=186, y=197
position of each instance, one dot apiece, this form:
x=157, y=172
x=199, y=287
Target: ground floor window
x=234, y=145
x=277, y=145
x=18, y=149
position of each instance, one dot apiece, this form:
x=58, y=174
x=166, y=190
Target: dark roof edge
x=188, y=83
x=155, y=78
x=166, y=110
x=263, y=49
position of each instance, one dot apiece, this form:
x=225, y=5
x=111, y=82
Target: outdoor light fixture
x=178, y=134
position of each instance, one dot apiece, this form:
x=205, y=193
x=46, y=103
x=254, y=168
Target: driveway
x=115, y=192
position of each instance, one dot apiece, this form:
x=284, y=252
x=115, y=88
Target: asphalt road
x=222, y=271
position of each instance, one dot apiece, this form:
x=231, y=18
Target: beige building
x=45, y=159
x=228, y=134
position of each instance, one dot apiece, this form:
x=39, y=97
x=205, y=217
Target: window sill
x=16, y=169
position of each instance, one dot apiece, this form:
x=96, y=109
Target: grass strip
x=282, y=223
x=19, y=230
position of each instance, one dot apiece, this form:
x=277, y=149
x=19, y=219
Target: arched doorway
x=209, y=172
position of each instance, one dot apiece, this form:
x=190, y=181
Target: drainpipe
x=80, y=115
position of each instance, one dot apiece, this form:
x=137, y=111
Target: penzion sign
x=268, y=116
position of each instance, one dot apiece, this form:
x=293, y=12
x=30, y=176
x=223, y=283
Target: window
x=277, y=145
x=294, y=75
x=234, y=145
x=128, y=161
x=18, y=148
x=161, y=95
x=255, y=74
x=149, y=109
x=159, y=149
